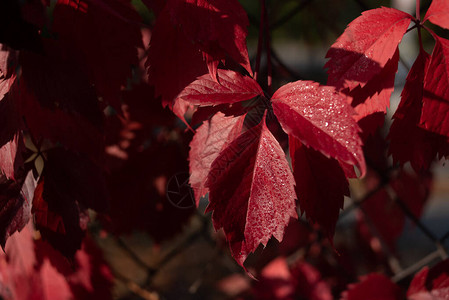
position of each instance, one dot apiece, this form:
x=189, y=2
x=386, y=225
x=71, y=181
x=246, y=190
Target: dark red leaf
x=408, y=141
x=251, y=191
x=62, y=196
x=230, y=88
x=209, y=140
x=438, y=13
x=173, y=61
x=320, y=185
x=218, y=27
x=102, y=37
x=436, y=90
x=54, y=89
x=373, y=287
x=320, y=118
x=365, y=47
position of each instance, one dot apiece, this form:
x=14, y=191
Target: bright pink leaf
x=8, y=63
x=408, y=141
x=16, y=205
x=365, y=47
x=320, y=118
x=173, y=61
x=430, y=284
x=53, y=283
x=436, y=90
x=251, y=191
x=373, y=287
x=11, y=156
x=438, y=13
x=320, y=183
x=219, y=27
x=102, y=37
x=210, y=138
x=231, y=87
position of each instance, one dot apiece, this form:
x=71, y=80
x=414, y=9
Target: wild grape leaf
x=219, y=27
x=210, y=138
x=102, y=37
x=62, y=196
x=375, y=95
x=365, y=47
x=430, y=283
x=88, y=274
x=438, y=13
x=16, y=202
x=8, y=63
x=230, y=88
x=11, y=159
x=320, y=185
x=173, y=60
x=388, y=217
x=251, y=191
x=22, y=278
x=373, y=287
x=320, y=118
x=55, y=89
x=436, y=90
x=408, y=141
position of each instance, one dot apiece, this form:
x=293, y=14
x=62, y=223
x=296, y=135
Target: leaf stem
x=418, y=11
x=267, y=47
x=260, y=41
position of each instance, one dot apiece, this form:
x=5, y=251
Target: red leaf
x=230, y=88
x=102, y=37
x=251, y=191
x=209, y=140
x=436, y=90
x=16, y=204
x=373, y=287
x=409, y=142
x=173, y=61
x=375, y=95
x=365, y=47
x=438, y=13
x=219, y=27
x=320, y=185
x=320, y=118
x=430, y=283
